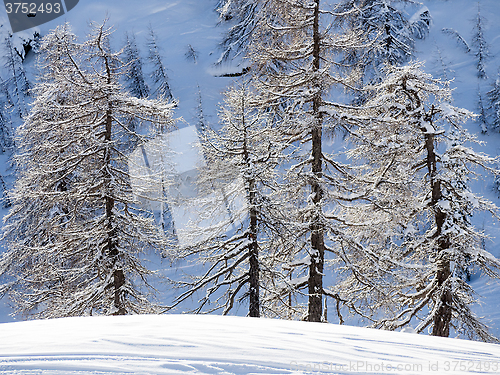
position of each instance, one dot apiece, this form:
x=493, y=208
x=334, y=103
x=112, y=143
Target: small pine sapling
x=17, y=83
x=482, y=119
x=243, y=16
x=191, y=54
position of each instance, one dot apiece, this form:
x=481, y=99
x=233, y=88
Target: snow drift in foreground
x=185, y=344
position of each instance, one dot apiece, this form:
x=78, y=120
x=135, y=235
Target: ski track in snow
x=184, y=344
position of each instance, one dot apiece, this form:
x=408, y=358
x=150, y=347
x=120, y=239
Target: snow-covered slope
x=178, y=24
x=187, y=344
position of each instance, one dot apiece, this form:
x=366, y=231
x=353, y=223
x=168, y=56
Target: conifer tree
x=6, y=139
x=294, y=62
x=480, y=45
x=243, y=16
x=462, y=43
x=418, y=220
x=494, y=103
x=159, y=74
x=483, y=117
x=74, y=234
x=191, y=54
x=201, y=122
x=134, y=76
x=17, y=82
x=389, y=34
x=239, y=174
x=5, y=199
x=443, y=65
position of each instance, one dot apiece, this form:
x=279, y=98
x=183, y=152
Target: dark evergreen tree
x=201, y=122
x=462, y=43
x=483, y=116
x=481, y=52
x=191, y=54
x=5, y=198
x=6, y=136
x=133, y=62
x=159, y=74
x=494, y=104
x=17, y=82
x=389, y=34
x=243, y=18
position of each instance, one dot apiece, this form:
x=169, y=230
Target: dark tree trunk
x=315, y=305
x=442, y=318
x=254, y=308
x=315, y=282
x=253, y=247
x=112, y=246
x=112, y=240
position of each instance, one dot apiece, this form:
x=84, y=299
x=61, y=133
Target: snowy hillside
x=177, y=25
x=186, y=344
x=188, y=34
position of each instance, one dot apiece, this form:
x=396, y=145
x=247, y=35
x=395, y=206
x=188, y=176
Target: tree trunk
x=315, y=282
x=442, y=318
x=254, y=308
x=112, y=248
x=253, y=248
x=112, y=245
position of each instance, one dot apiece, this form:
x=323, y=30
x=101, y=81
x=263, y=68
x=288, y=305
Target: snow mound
x=188, y=344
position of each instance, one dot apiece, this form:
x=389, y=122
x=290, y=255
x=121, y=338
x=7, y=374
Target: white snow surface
x=211, y=344
x=204, y=344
